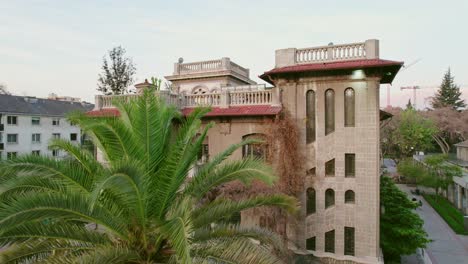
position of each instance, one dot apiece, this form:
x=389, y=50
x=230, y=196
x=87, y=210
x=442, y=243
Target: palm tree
x=139, y=206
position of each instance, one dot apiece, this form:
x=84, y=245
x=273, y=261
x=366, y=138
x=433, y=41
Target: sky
x=57, y=46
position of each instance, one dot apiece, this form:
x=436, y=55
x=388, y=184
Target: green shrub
x=448, y=212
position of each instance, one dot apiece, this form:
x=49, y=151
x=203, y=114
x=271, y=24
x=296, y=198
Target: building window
x=12, y=120
x=12, y=138
x=349, y=107
x=35, y=121
x=350, y=165
x=310, y=243
x=56, y=135
x=11, y=155
x=311, y=172
x=310, y=201
x=36, y=152
x=255, y=150
x=349, y=196
x=330, y=241
x=330, y=168
x=329, y=111
x=36, y=138
x=310, y=114
x=329, y=198
x=203, y=154
x=73, y=136
x=55, y=152
x=56, y=121
x=349, y=241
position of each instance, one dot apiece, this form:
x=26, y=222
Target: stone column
x=459, y=197
x=372, y=48
x=224, y=99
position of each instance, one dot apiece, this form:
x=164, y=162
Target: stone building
x=332, y=95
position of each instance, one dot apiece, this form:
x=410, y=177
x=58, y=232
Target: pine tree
x=448, y=94
x=409, y=105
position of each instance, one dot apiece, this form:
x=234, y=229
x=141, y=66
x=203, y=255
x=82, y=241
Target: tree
x=410, y=132
x=412, y=170
x=140, y=207
x=3, y=89
x=401, y=230
x=440, y=173
x=117, y=73
x=409, y=105
x=448, y=94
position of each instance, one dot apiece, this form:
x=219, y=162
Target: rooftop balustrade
x=228, y=96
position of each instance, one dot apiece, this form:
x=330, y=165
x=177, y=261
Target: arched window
x=310, y=201
x=310, y=114
x=349, y=196
x=200, y=90
x=255, y=150
x=329, y=198
x=329, y=111
x=349, y=107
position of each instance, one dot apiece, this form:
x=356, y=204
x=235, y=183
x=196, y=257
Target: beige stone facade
x=242, y=108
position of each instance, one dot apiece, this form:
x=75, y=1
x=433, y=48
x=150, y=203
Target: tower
x=332, y=93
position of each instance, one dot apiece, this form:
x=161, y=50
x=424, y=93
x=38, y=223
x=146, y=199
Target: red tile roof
x=250, y=110
x=246, y=110
x=104, y=112
x=338, y=65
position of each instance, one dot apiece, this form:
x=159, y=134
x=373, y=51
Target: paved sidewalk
x=447, y=247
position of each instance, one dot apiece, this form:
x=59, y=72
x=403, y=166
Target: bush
x=448, y=212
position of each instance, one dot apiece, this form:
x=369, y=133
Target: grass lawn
x=448, y=212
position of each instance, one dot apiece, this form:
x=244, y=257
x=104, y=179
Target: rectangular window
x=12, y=120
x=349, y=241
x=36, y=152
x=55, y=152
x=56, y=122
x=35, y=121
x=350, y=165
x=203, y=155
x=11, y=155
x=330, y=168
x=12, y=138
x=330, y=241
x=56, y=135
x=310, y=243
x=36, y=138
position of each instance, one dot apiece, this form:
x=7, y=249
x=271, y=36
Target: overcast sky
x=57, y=46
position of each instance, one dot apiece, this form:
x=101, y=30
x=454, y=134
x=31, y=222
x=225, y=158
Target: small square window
x=56, y=135
x=36, y=138
x=12, y=120
x=73, y=136
x=11, y=155
x=36, y=152
x=56, y=122
x=12, y=138
x=55, y=152
x=330, y=168
x=36, y=121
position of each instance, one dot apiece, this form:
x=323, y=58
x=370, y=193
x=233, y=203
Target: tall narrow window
x=349, y=241
x=330, y=168
x=310, y=243
x=310, y=114
x=350, y=165
x=310, y=201
x=329, y=198
x=330, y=241
x=329, y=111
x=349, y=107
x=349, y=196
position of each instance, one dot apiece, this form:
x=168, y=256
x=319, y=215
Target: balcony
x=228, y=96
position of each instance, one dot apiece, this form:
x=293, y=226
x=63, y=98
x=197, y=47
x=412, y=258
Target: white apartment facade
x=28, y=124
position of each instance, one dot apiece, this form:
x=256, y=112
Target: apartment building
x=27, y=124
x=332, y=95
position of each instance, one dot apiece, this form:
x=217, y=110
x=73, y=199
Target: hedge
x=448, y=212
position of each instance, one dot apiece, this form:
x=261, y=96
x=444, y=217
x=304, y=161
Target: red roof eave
x=251, y=110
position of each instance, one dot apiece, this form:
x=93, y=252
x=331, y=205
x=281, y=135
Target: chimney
x=140, y=87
